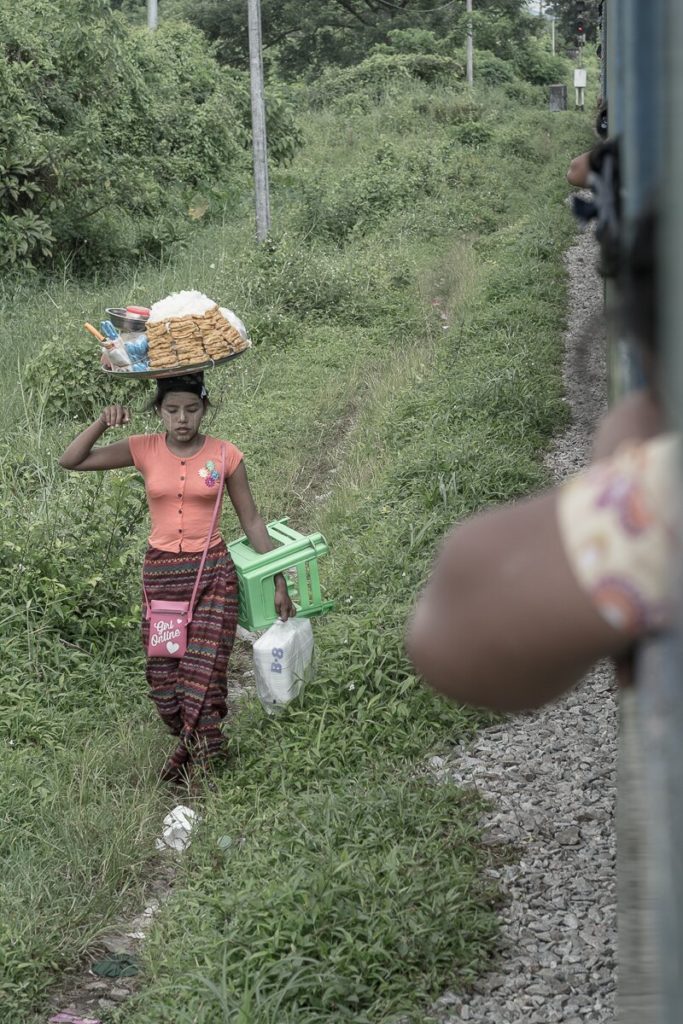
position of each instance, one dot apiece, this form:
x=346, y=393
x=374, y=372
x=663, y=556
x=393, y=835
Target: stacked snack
x=188, y=328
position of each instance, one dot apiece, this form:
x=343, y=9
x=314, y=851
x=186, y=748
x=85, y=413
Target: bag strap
x=214, y=517
x=206, y=546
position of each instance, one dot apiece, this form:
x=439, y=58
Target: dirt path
x=550, y=777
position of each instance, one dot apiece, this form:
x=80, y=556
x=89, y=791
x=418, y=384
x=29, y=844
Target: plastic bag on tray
x=283, y=662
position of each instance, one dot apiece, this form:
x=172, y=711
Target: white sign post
x=580, y=87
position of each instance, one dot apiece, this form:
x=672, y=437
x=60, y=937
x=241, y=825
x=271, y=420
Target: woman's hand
x=114, y=416
x=284, y=605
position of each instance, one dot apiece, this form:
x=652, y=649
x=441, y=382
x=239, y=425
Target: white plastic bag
x=283, y=662
x=178, y=826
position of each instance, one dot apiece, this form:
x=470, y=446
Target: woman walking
x=184, y=472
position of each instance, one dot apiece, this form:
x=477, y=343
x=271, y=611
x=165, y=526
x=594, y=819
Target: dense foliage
x=303, y=37
x=113, y=140
x=108, y=135
x=570, y=12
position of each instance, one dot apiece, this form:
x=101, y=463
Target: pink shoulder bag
x=168, y=620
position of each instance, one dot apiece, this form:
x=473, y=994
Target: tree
x=304, y=36
x=570, y=12
x=109, y=134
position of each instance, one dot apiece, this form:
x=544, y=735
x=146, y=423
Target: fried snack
x=192, y=340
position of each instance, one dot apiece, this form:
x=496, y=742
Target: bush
x=491, y=69
x=448, y=107
x=291, y=286
x=106, y=132
x=72, y=569
x=379, y=75
x=474, y=133
x=388, y=180
x=534, y=64
x=524, y=92
x=81, y=393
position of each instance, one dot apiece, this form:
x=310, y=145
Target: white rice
x=180, y=304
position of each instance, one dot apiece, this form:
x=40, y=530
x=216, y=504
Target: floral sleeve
x=618, y=522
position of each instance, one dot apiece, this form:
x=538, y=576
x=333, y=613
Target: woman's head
x=181, y=402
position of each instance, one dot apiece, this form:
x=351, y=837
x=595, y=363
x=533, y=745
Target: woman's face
x=181, y=413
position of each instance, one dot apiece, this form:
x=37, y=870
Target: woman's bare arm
x=80, y=455
x=251, y=522
x=503, y=623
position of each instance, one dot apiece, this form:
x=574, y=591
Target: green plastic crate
x=297, y=557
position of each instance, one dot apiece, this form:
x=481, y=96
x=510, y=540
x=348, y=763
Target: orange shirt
x=181, y=493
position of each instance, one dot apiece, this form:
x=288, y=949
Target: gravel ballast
x=550, y=777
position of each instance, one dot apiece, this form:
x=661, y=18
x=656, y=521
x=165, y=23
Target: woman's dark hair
x=191, y=382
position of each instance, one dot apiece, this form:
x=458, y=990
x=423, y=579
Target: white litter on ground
x=178, y=827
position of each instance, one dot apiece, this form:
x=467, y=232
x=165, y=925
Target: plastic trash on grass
x=283, y=662
x=72, y=1018
x=178, y=826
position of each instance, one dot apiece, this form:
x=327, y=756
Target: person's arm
x=237, y=485
x=503, y=622
x=579, y=169
x=80, y=455
x=636, y=417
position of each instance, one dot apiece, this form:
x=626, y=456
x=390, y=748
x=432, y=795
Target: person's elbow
x=578, y=172
x=438, y=649
x=463, y=665
x=456, y=638
x=427, y=662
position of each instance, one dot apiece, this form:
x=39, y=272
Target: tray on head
x=174, y=371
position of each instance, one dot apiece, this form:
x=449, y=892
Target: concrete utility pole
x=152, y=14
x=258, y=122
x=470, y=45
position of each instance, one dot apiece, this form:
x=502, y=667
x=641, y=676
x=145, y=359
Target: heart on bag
x=168, y=622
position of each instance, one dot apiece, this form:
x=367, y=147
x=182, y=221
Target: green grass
x=352, y=889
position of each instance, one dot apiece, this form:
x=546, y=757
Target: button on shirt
x=181, y=493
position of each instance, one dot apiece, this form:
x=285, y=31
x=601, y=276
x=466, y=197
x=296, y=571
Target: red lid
x=138, y=310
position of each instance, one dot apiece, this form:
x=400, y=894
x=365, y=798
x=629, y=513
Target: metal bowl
x=126, y=323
